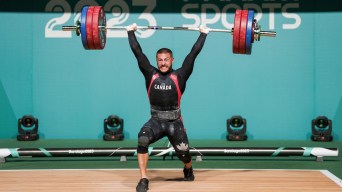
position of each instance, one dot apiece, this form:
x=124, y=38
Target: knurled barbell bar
x=92, y=29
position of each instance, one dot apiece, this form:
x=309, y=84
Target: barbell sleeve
x=69, y=28
x=268, y=33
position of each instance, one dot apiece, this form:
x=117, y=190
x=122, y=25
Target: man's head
x=164, y=59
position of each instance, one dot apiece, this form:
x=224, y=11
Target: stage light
x=321, y=128
x=236, y=128
x=113, y=128
x=27, y=128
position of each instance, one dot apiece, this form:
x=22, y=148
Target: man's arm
x=189, y=61
x=143, y=62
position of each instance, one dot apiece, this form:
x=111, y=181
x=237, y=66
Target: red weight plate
x=242, y=34
x=89, y=27
x=236, y=32
x=99, y=19
x=95, y=27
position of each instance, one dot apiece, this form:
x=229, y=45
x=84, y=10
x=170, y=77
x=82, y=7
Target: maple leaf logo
x=182, y=147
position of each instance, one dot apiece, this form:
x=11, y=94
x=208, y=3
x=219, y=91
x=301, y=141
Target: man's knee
x=184, y=156
x=183, y=151
x=145, y=137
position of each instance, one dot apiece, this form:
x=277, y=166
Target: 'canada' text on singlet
x=162, y=87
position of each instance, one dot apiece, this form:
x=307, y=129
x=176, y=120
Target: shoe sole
x=189, y=179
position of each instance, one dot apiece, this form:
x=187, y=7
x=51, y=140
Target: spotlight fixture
x=113, y=128
x=27, y=128
x=321, y=128
x=236, y=127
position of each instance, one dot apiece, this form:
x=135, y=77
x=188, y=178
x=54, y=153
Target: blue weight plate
x=249, y=33
x=83, y=27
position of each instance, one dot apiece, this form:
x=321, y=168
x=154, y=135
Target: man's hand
x=132, y=27
x=204, y=29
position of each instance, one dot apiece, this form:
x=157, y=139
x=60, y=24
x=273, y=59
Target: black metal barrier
x=317, y=152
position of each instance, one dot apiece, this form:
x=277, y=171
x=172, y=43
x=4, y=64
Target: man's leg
x=143, y=160
x=188, y=172
x=188, y=165
x=143, y=183
x=179, y=140
x=144, y=139
x=148, y=134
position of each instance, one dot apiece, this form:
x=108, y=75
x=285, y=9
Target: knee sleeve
x=145, y=137
x=142, y=149
x=184, y=156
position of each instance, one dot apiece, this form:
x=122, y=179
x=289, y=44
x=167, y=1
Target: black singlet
x=165, y=89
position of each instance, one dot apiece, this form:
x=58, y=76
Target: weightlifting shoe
x=142, y=185
x=188, y=174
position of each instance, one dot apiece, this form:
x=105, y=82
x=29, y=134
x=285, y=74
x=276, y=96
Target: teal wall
x=279, y=89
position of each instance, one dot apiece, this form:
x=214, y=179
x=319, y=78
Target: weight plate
x=236, y=32
x=242, y=35
x=249, y=32
x=103, y=33
x=99, y=19
x=253, y=27
x=89, y=27
x=95, y=27
x=83, y=27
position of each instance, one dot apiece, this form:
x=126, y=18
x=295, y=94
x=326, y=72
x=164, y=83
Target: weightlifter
x=165, y=87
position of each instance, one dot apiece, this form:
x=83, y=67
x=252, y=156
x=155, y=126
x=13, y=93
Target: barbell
x=92, y=29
